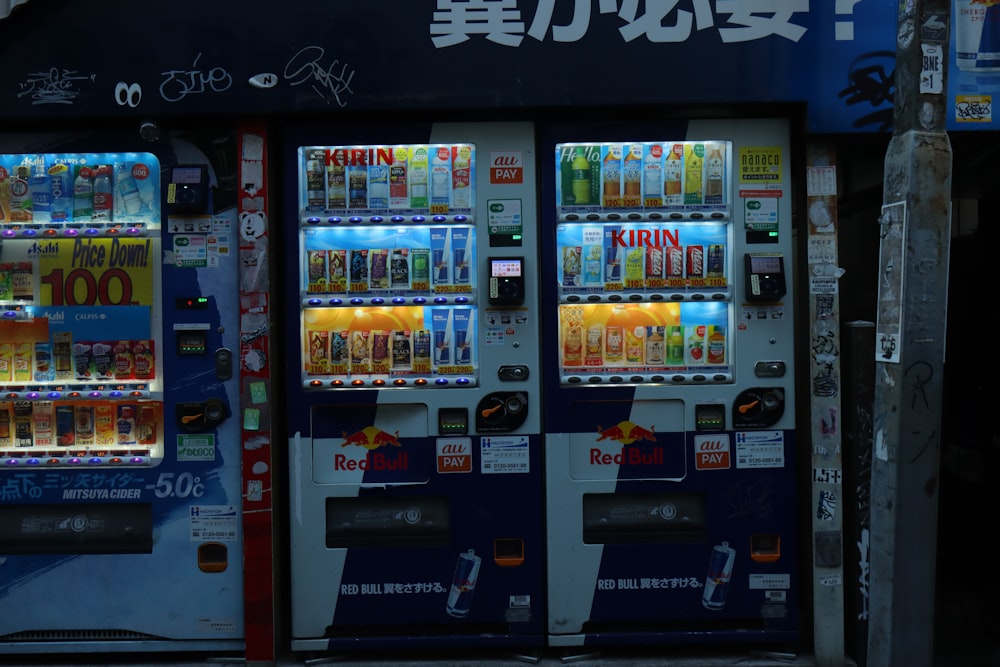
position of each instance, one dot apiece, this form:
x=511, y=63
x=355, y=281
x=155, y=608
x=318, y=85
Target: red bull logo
x=371, y=437
x=626, y=433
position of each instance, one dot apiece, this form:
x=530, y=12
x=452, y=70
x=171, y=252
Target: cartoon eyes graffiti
x=128, y=94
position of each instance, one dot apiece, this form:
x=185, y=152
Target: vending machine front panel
x=121, y=463
x=669, y=433
x=414, y=396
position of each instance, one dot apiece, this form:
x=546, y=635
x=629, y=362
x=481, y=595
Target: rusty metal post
x=909, y=346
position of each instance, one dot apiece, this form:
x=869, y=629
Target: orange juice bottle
x=716, y=353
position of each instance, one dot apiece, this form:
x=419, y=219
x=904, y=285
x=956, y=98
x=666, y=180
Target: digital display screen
x=505, y=268
x=766, y=264
x=186, y=175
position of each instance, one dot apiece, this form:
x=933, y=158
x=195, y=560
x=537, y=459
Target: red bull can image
x=463, y=584
x=977, y=35
x=720, y=571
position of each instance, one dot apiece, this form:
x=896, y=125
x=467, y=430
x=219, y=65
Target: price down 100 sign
x=96, y=271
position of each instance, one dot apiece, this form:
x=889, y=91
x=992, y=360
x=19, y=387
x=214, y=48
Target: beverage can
x=399, y=268
x=105, y=425
x=612, y=265
x=463, y=584
x=695, y=261
x=592, y=264
x=357, y=186
x=614, y=343
x=720, y=571
x=399, y=194
x=595, y=346
x=442, y=347
x=674, y=262
x=716, y=261
x=378, y=186
x=977, y=35
x=634, y=344
x=401, y=349
x=315, y=179
x=65, y=425
x=573, y=346
x=85, y=428
x=572, y=265
x=422, y=347
x=420, y=268
x=336, y=180
x=126, y=425
x=378, y=269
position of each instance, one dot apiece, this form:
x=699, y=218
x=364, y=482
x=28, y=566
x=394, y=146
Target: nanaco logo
x=45, y=248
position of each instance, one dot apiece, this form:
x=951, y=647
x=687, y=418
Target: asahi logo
x=48, y=248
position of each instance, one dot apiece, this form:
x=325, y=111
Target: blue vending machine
x=120, y=525
x=669, y=421
x=413, y=400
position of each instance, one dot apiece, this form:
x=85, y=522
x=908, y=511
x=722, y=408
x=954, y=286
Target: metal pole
x=909, y=345
x=825, y=406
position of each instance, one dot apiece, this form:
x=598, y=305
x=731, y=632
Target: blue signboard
x=71, y=59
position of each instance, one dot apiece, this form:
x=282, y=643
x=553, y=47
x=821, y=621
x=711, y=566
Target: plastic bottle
x=83, y=194
x=611, y=174
x=632, y=174
x=581, y=177
x=20, y=195
x=103, y=196
x=714, y=167
x=62, y=193
x=40, y=189
x=128, y=190
x=672, y=175
x=716, y=346
x=675, y=347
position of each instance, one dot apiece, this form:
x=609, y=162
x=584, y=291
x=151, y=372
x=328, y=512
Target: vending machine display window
x=389, y=275
x=644, y=278
x=80, y=374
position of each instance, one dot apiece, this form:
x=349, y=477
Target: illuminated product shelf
x=721, y=376
x=724, y=294
x=313, y=220
x=671, y=214
x=74, y=230
x=311, y=300
x=431, y=382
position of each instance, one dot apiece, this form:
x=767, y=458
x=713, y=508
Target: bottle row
x=423, y=259
x=60, y=359
x=643, y=175
x=614, y=268
x=435, y=178
x=78, y=425
x=649, y=348
x=79, y=188
x=394, y=341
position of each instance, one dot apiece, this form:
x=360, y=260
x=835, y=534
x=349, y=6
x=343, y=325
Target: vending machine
x=120, y=527
x=413, y=387
x=668, y=349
